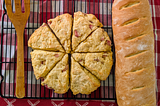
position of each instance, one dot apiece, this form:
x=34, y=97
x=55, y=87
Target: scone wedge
x=58, y=77
x=82, y=81
x=44, y=39
x=61, y=26
x=44, y=61
x=98, y=41
x=83, y=26
x=99, y=64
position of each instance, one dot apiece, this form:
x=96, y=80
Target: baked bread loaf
x=44, y=61
x=134, y=48
x=61, y=26
x=83, y=25
x=44, y=39
x=58, y=77
x=99, y=64
x=98, y=41
x=81, y=80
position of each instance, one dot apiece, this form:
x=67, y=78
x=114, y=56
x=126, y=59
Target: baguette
x=134, y=48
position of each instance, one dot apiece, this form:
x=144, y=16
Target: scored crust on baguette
x=61, y=26
x=44, y=39
x=44, y=61
x=130, y=4
x=81, y=80
x=99, y=64
x=58, y=77
x=134, y=49
x=98, y=41
x=83, y=26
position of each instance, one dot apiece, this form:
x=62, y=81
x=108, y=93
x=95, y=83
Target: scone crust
x=44, y=61
x=81, y=80
x=61, y=26
x=83, y=25
x=98, y=41
x=90, y=17
x=44, y=39
x=58, y=77
x=99, y=64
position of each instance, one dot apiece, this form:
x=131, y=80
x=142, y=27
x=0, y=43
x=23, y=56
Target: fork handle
x=20, y=83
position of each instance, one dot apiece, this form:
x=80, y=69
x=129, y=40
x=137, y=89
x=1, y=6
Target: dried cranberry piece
x=76, y=33
x=81, y=60
x=108, y=42
x=102, y=38
x=43, y=62
x=49, y=22
x=66, y=68
x=91, y=26
x=102, y=62
x=104, y=56
x=96, y=60
x=56, y=55
x=90, y=21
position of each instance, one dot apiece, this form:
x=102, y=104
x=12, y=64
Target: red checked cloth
x=41, y=12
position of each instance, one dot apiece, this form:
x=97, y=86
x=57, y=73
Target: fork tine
x=17, y=6
x=8, y=6
x=27, y=5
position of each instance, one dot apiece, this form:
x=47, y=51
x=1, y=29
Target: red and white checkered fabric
x=40, y=12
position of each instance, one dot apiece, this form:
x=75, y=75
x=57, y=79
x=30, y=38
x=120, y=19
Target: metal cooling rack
x=8, y=48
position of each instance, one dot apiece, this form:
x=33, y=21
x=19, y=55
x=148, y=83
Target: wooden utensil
x=19, y=20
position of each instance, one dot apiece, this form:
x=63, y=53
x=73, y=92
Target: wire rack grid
x=41, y=11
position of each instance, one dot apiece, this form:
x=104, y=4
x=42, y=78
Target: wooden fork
x=19, y=20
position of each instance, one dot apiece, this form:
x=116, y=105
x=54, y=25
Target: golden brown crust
x=61, y=26
x=44, y=61
x=81, y=80
x=44, y=39
x=134, y=47
x=99, y=64
x=83, y=25
x=98, y=41
x=58, y=77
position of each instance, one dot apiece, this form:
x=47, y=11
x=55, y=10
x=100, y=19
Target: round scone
x=82, y=81
x=58, y=77
x=44, y=39
x=44, y=61
x=98, y=41
x=90, y=53
x=83, y=25
x=61, y=26
x=99, y=64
